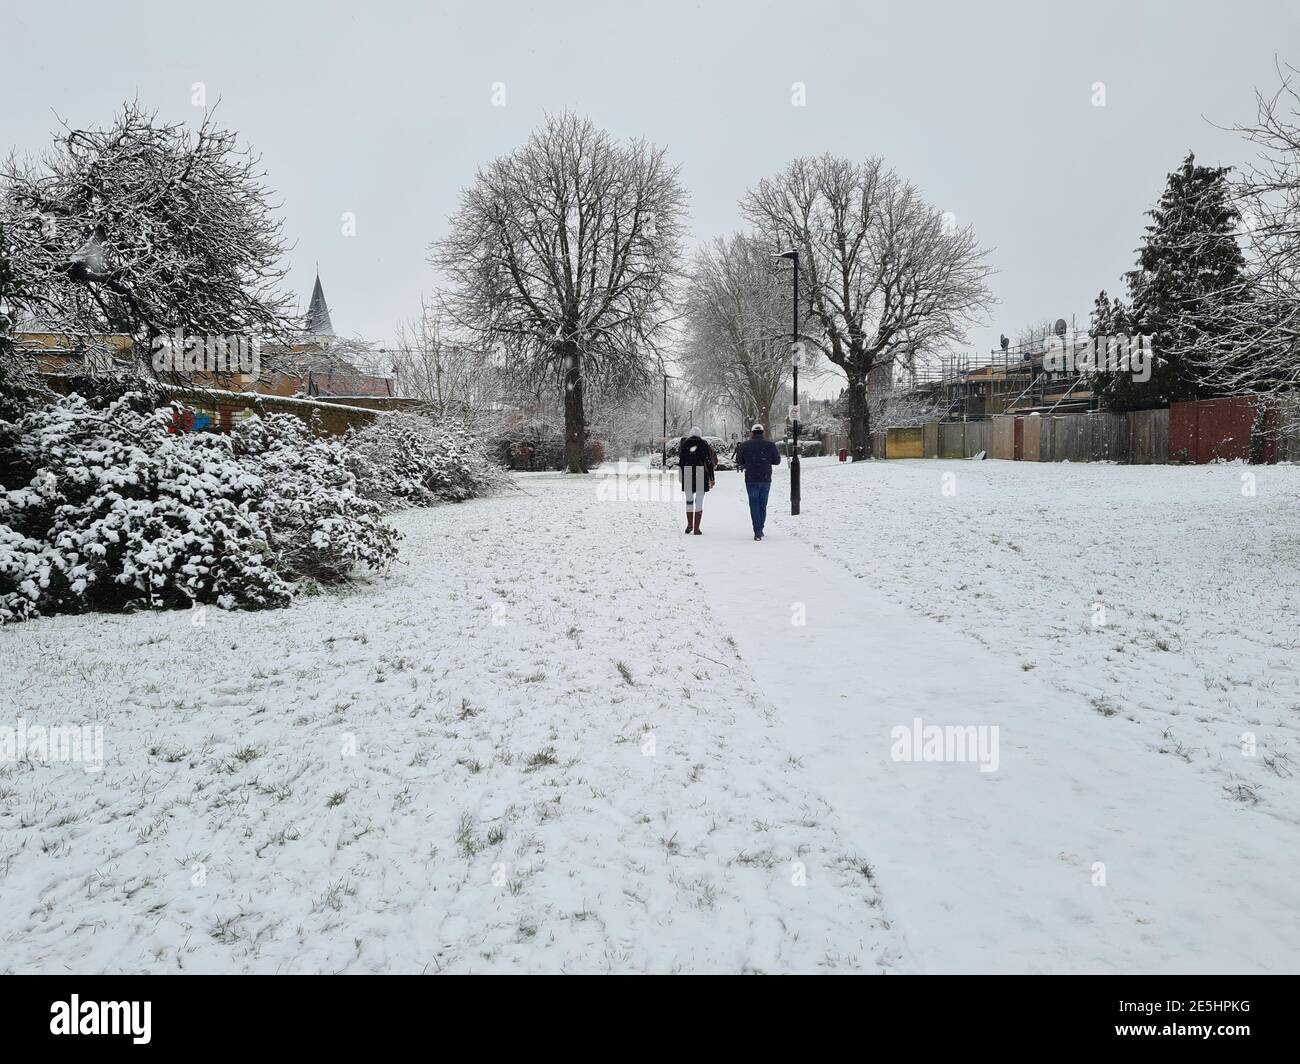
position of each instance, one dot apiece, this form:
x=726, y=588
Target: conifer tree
x=1188, y=265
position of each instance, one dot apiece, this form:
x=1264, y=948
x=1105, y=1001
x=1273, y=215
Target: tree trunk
x=575, y=417
x=859, y=418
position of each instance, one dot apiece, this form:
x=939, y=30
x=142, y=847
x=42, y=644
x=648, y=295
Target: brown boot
x=690, y=523
x=698, y=515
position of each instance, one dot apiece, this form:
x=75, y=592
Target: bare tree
x=454, y=375
x=1035, y=332
x=143, y=228
x=1254, y=344
x=886, y=277
x=737, y=325
x=902, y=408
x=565, y=252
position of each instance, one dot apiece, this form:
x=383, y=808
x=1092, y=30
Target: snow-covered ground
x=550, y=773
x=562, y=736
x=1165, y=595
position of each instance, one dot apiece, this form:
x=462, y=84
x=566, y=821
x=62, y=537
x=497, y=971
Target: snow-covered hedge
x=411, y=460
x=317, y=521
x=111, y=511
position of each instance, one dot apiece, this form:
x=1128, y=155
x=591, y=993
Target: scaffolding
x=1014, y=380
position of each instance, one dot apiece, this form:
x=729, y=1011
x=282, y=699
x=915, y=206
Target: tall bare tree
x=565, y=251
x=142, y=228
x=1253, y=341
x=887, y=277
x=737, y=325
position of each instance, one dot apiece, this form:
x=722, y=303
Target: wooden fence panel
x=952, y=440
x=1149, y=437
x=1004, y=438
x=1032, y=436
x=1043, y=430
x=905, y=443
x=979, y=437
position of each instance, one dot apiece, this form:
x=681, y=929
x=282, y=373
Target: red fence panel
x=1211, y=430
x=1182, y=432
x=1223, y=429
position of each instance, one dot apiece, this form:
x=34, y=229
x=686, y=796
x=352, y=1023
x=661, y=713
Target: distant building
x=318, y=363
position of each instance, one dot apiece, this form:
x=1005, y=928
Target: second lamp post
x=796, y=353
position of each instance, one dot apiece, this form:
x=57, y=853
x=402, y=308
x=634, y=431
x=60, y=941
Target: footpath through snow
x=1082, y=852
x=563, y=736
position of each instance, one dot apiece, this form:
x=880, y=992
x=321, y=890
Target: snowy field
x=1166, y=596
x=562, y=736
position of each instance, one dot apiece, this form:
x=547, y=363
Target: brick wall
x=225, y=408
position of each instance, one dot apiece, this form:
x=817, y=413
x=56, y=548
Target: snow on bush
x=411, y=460
x=114, y=512
x=318, y=524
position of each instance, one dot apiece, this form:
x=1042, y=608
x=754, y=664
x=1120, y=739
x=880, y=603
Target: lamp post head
x=794, y=255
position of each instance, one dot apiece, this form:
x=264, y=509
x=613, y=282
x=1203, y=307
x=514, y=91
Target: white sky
x=384, y=110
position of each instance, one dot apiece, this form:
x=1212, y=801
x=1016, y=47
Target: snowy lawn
x=562, y=736
x=1165, y=595
x=513, y=755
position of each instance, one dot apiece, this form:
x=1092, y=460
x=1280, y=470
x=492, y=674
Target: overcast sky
x=384, y=109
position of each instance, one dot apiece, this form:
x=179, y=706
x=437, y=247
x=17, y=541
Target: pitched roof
x=318, y=313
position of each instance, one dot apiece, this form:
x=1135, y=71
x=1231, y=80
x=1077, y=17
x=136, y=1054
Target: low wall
x=226, y=408
x=382, y=403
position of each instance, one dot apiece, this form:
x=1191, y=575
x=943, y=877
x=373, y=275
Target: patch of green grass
x=333, y=897
x=467, y=840
x=541, y=759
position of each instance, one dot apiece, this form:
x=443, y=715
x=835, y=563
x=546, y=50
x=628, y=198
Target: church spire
x=318, y=313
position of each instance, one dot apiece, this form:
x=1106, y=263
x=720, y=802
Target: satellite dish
x=1004, y=342
x=1060, y=327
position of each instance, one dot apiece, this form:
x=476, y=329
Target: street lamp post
x=795, y=355
x=663, y=458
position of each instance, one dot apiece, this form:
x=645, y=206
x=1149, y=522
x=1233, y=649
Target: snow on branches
x=411, y=460
x=885, y=277
x=565, y=252
x=1257, y=329
x=141, y=228
x=116, y=512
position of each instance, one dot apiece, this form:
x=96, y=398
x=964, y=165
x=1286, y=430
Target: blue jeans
x=758, y=505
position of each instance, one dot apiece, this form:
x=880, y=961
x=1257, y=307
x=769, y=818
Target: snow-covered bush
x=318, y=524
x=116, y=513
x=111, y=511
x=411, y=460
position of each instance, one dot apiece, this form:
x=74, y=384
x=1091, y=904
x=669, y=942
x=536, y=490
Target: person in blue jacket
x=756, y=457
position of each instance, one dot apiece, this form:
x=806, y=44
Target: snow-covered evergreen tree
x=105, y=507
x=412, y=460
x=1189, y=262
